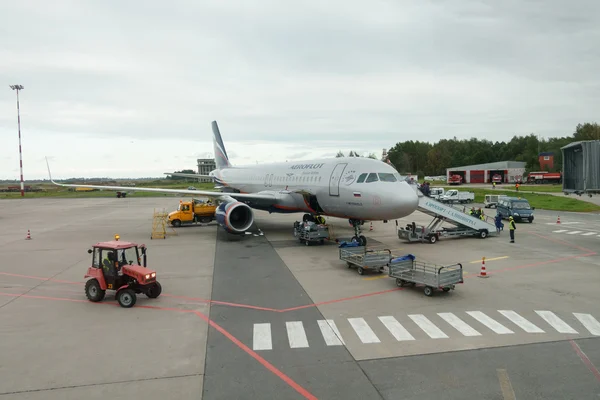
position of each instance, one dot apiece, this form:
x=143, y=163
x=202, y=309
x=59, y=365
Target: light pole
x=17, y=88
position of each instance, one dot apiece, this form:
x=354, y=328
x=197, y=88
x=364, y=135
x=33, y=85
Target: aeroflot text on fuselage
x=307, y=166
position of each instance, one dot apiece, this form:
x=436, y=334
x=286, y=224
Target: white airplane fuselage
x=346, y=187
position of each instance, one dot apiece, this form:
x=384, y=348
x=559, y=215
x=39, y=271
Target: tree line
x=424, y=158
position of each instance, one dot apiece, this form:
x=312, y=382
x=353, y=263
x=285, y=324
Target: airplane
x=359, y=189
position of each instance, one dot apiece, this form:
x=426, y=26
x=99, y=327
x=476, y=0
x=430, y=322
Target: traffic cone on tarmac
x=558, y=220
x=371, y=227
x=483, y=273
x=28, y=235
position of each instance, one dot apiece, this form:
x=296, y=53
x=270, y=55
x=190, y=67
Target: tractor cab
x=120, y=266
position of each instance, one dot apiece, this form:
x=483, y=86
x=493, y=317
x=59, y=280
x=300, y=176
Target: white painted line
x=428, y=327
x=560, y=231
x=459, y=324
x=395, y=328
x=590, y=323
x=364, y=332
x=262, y=337
x=589, y=234
x=521, y=322
x=573, y=232
x=330, y=332
x=557, y=323
x=296, y=334
x=489, y=322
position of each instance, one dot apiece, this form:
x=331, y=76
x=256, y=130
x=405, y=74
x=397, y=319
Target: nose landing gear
x=356, y=224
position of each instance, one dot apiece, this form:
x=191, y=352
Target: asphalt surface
x=263, y=316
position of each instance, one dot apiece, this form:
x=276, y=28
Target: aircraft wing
x=188, y=175
x=264, y=198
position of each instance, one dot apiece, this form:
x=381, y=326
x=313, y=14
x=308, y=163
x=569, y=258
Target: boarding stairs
x=457, y=216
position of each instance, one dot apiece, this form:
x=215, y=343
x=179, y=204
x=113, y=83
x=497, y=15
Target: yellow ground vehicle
x=190, y=212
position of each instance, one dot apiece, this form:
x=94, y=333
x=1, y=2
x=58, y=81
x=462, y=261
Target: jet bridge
x=465, y=224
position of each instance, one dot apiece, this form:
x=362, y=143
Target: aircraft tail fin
x=221, y=158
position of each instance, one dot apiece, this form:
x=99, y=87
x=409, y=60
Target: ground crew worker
x=512, y=227
x=319, y=220
x=494, y=185
x=108, y=263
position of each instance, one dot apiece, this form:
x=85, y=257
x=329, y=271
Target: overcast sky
x=129, y=88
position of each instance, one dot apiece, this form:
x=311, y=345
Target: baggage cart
x=365, y=260
x=311, y=233
x=406, y=270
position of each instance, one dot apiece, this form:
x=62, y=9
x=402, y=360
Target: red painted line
x=562, y=242
x=39, y=278
x=225, y=303
x=29, y=296
x=305, y=393
x=340, y=300
x=586, y=360
x=538, y=263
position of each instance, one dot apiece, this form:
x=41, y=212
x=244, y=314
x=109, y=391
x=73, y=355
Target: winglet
x=49, y=173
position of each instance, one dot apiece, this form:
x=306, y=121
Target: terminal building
x=509, y=171
x=205, y=165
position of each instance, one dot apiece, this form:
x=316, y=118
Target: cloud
x=294, y=80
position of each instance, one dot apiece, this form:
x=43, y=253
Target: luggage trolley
x=407, y=270
x=308, y=233
x=363, y=259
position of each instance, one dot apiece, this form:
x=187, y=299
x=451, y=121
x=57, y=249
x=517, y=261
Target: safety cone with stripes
x=371, y=227
x=483, y=273
x=558, y=220
x=28, y=237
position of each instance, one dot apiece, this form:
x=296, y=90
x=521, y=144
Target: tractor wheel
x=176, y=223
x=205, y=220
x=126, y=298
x=93, y=291
x=154, y=290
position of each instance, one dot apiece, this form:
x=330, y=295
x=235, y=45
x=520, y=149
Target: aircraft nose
x=407, y=200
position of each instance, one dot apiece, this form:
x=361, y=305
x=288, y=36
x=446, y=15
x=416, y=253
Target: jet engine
x=235, y=217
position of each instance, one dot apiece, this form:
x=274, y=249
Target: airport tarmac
x=263, y=316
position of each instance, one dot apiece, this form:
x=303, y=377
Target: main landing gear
x=356, y=224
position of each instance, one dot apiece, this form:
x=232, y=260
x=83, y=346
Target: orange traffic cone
x=371, y=227
x=483, y=273
x=558, y=220
x=28, y=235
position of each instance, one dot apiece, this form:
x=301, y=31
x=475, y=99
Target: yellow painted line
x=384, y=275
x=507, y=390
x=489, y=259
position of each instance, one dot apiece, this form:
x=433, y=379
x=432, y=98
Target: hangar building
x=509, y=171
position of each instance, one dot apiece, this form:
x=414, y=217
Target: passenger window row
x=376, y=177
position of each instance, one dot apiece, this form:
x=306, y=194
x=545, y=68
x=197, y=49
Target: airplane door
x=334, y=181
x=270, y=180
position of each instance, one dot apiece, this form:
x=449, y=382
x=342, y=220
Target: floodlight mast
x=17, y=88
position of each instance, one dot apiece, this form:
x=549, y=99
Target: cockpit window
x=386, y=177
x=372, y=177
x=361, y=178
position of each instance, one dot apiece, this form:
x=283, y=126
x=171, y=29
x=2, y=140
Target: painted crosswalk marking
x=544, y=322
x=296, y=334
x=363, y=330
x=262, y=337
x=589, y=234
x=590, y=323
x=560, y=231
x=330, y=332
x=573, y=232
x=395, y=328
x=557, y=323
x=428, y=327
x=490, y=322
x=521, y=322
x=580, y=233
x=459, y=324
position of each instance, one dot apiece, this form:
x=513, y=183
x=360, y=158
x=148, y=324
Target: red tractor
x=118, y=266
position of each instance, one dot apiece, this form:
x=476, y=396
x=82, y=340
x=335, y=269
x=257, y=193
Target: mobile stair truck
x=464, y=224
